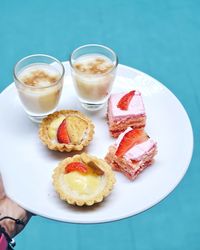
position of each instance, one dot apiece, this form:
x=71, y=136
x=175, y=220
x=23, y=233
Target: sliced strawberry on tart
x=62, y=133
x=132, y=152
x=76, y=166
x=66, y=130
x=83, y=180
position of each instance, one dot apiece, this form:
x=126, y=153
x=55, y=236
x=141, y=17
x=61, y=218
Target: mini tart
x=88, y=188
x=80, y=130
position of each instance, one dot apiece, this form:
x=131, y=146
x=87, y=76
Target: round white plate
x=27, y=165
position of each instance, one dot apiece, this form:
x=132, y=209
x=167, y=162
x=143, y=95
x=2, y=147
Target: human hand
x=12, y=209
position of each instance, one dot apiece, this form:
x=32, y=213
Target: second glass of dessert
x=93, y=70
x=39, y=81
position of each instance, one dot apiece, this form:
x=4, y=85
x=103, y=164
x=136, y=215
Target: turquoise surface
x=161, y=38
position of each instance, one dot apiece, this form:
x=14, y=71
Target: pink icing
x=136, y=152
x=135, y=108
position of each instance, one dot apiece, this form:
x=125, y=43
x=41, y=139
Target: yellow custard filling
x=83, y=184
x=52, y=131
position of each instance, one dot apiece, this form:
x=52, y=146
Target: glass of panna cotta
x=93, y=69
x=39, y=81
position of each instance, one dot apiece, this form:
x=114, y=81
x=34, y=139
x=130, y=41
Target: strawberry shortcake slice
x=132, y=152
x=125, y=110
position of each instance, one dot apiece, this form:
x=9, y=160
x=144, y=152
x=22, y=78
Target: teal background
x=161, y=38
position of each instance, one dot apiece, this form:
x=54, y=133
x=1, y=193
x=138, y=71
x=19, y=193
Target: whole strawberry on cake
x=132, y=152
x=125, y=110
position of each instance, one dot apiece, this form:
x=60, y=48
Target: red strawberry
x=62, y=135
x=125, y=100
x=76, y=166
x=131, y=138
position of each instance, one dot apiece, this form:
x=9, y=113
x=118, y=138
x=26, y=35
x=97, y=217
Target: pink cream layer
x=135, y=108
x=138, y=151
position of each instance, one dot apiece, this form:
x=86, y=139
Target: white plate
x=27, y=165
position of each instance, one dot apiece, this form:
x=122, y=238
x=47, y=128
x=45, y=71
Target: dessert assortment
x=83, y=179
x=133, y=150
x=66, y=130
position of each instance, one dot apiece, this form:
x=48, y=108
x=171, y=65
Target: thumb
x=2, y=192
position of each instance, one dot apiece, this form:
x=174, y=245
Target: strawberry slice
x=62, y=135
x=76, y=166
x=130, y=139
x=125, y=100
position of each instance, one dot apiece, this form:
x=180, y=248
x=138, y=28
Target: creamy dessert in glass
x=93, y=69
x=39, y=81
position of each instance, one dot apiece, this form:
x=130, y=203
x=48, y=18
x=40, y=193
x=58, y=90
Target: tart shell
x=43, y=132
x=60, y=170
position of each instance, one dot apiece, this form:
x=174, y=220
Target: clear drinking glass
x=93, y=69
x=39, y=81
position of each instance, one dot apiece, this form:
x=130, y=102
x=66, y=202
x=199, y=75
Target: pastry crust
x=58, y=176
x=62, y=147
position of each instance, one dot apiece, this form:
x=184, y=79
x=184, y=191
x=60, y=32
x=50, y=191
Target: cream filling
x=82, y=186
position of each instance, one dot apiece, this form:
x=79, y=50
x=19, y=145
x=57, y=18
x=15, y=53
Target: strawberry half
x=62, y=135
x=130, y=139
x=125, y=100
x=76, y=166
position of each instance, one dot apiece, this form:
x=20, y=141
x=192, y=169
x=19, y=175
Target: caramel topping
x=95, y=167
x=38, y=76
x=87, y=160
x=97, y=66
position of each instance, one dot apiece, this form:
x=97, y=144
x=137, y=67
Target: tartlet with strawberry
x=132, y=152
x=83, y=180
x=66, y=130
x=125, y=110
